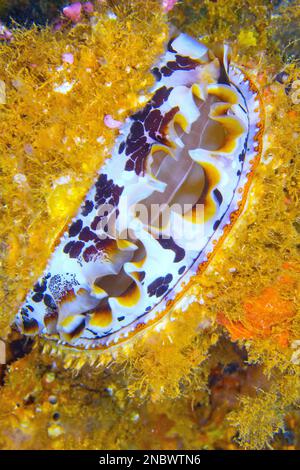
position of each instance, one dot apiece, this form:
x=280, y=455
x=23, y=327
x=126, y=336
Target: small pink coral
x=5, y=33
x=68, y=58
x=88, y=7
x=168, y=5
x=112, y=123
x=73, y=12
x=58, y=25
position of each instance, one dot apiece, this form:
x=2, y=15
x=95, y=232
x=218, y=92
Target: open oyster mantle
x=194, y=145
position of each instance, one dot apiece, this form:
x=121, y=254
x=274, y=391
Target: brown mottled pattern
x=160, y=286
x=169, y=244
x=148, y=122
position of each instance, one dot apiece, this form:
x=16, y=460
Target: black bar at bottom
x=138, y=459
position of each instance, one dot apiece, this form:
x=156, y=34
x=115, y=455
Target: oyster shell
x=178, y=172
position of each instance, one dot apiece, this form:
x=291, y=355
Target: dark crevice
x=29, y=12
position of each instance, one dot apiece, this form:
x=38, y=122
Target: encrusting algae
x=239, y=357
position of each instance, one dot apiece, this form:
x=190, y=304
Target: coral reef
x=232, y=380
